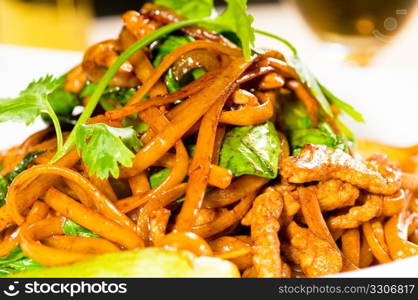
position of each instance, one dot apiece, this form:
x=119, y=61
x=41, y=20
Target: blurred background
x=354, y=31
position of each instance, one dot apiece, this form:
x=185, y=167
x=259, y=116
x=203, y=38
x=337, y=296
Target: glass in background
x=356, y=29
x=61, y=24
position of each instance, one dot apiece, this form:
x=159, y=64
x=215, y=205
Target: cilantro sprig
x=31, y=103
x=102, y=147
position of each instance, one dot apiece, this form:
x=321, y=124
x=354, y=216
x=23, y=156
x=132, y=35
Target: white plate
x=387, y=98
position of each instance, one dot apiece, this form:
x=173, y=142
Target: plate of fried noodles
x=180, y=149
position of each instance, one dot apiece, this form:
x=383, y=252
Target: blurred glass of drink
x=60, y=24
x=358, y=28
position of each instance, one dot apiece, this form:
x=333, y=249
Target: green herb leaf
x=31, y=103
x=158, y=177
x=7, y=179
x=102, y=147
x=16, y=261
x=171, y=83
x=236, y=19
x=316, y=136
x=299, y=128
x=192, y=9
x=72, y=228
x=252, y=150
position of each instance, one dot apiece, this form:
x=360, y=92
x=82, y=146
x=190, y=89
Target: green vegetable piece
x=171, y=83
x=197, y=73
x=295, y=115
x=252, y=150
x=301, y=137
x=72, y=228
x=16, y=261
x=102, y=147
x=148, y=262
x=158, y=177
x=21, y=166
x=31, y=103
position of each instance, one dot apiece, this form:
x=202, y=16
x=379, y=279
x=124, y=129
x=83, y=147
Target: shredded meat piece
x=315, y=256
x=334, y=193
x=290, y=196
x=251, y=272
x=205, y=215
x=158, y=223
x=264, y=220
x=317, y=162
x=357, y=215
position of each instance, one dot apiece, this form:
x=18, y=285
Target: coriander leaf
x=16, y=261
x=31, y=103
x=252, y=150
x=343, y=106
x=158, y=177
x=316, y=136
x=102, y=147
x=168, y=45
x=295, y=115
x=192, y=9
x=72, y=228
x=6, y=180
x=236, y=19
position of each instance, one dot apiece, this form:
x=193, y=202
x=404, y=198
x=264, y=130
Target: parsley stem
x=56, y=123
x=125, y=55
